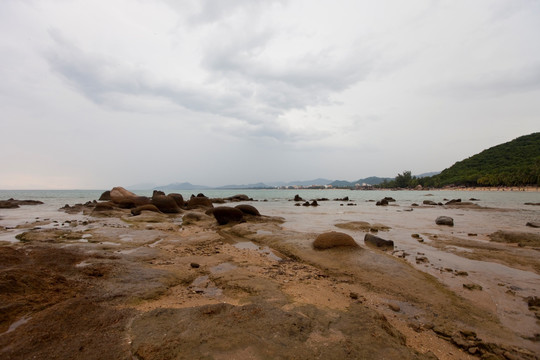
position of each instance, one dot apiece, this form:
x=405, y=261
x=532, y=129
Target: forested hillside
x=510, y=164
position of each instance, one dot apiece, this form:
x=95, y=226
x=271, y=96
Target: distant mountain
x=516, y=162
x=182, y=186
x=428, y=174
x=373, y=180
x=248, y=186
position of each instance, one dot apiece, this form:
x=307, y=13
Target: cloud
x=494, y=83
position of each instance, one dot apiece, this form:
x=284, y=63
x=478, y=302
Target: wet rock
x=248, y=209
x=444, y=220
x=462, y=273
x=194, y=265
x=334, y=239
x=148, y=207
x=298, y=198
x=239, y=197
x=106, y=196
x=516, y=237
x=472, y=286
x=104, y=206
x=166, y=204
x=429, y=202
x=533, y=224
x=314, y=203
x=346, y=198
x=199, y=202
x=13, y=204
x=156, y=193
x=533, y=204
x=179, y=199
x=353, y=295
x=226, y=214
x=382, y=202
x=453, y=201
x=378, y=242
x=421, y=259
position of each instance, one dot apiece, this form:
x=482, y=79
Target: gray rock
x=444, y=220
x=378, y=242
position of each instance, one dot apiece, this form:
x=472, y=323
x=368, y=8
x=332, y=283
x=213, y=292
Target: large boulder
x=227, y=214
x=334, y=239
x=148, y=207
x=248, y=209
x=126, y=199
x=199, y=202
x=179, y=199
x=166, y=204
x=444, y=220
x=157, y=193
x=106, y=196
x=378, y=242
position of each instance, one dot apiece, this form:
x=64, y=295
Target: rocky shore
x=163, y=277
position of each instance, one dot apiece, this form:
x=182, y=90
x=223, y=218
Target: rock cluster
x=13, y=204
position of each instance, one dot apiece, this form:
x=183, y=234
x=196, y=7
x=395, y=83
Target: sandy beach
x=87, y=284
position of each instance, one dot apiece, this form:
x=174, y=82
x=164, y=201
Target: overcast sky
x=95, y=94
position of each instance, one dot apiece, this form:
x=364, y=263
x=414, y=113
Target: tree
x=403, y=180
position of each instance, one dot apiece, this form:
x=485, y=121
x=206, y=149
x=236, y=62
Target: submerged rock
x=334, y=239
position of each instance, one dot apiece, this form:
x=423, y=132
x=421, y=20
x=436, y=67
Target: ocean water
x=505, y=199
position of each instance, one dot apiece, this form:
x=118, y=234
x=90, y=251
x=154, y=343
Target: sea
x=507, y=199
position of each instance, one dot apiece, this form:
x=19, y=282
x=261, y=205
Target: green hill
x=513, y=163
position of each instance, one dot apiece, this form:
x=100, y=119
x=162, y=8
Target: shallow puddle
x=252, y=246
x=203, y=285
x=223, y=267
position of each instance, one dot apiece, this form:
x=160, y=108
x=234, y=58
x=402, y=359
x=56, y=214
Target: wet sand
x=159, y=286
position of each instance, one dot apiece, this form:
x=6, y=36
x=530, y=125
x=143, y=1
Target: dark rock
x=166, y=204
x=334, y=239
x=389, y=199
x=13, y=204
x=179, y=199
x=346, y=198
x=306, y=203
x=148, y=207
x=382, y=202
x=106, y=196
x=104, y=206
x=248, y=209
x=226, y=214
x=414, y=204
x=157, y=193
x=429, y=202
x=453, y=201
x=239, y=197
x=533, y=204
x=533, y=224
x=314, y=203
x=472, y=287
x=199, y=202
x=473, y=199
x=298, y=198
x=444, y=220
x=201, y=195
x=195, y=265
x=378, y=242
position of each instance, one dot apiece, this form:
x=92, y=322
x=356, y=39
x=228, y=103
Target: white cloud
x=210, y=86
